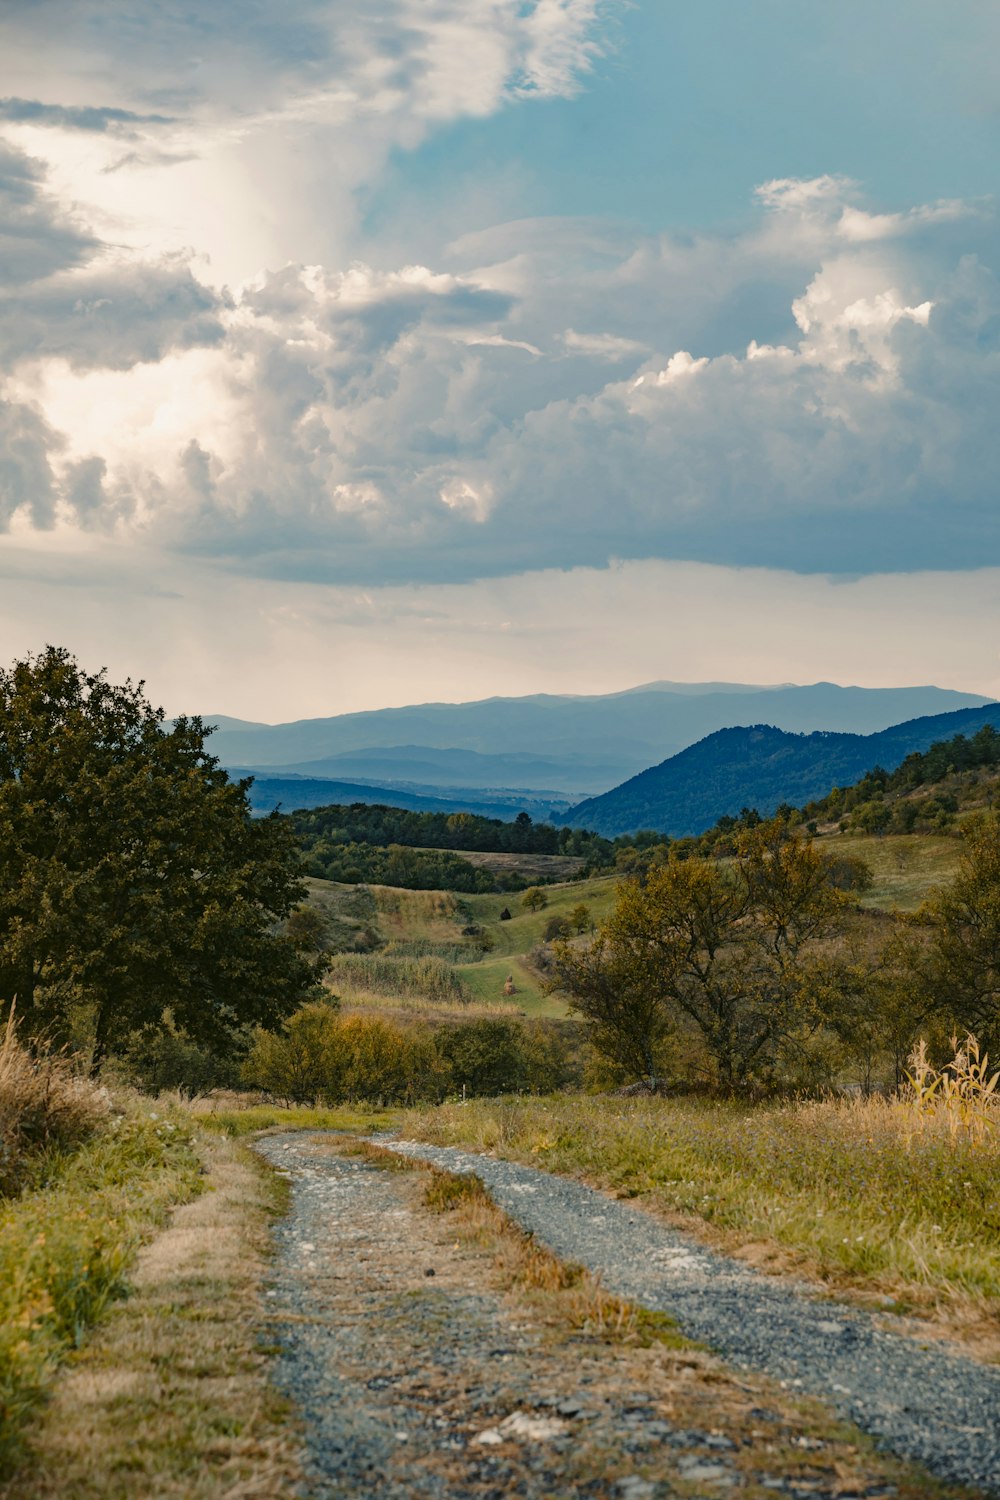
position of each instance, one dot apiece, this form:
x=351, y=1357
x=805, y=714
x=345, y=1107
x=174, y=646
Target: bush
x=484, y=1056
x=322, y=1057
x=167, y=1059
x=44, y=1107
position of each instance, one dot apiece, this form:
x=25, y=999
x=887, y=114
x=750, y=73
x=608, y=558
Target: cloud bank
x=198, y=363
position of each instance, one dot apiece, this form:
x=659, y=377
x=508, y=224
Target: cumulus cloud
x=194, y=358
x=367, y=424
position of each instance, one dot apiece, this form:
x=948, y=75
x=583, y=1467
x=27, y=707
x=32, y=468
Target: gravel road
x=921, y=1402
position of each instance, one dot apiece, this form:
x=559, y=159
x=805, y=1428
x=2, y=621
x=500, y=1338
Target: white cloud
x=364, y=423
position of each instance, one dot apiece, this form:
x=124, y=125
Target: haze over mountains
x=554, y=747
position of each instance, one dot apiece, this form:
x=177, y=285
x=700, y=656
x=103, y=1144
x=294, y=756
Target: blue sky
x=693, y=105
x=330, y=327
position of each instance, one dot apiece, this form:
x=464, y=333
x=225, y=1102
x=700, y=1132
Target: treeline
x=365, y=823
x=883, y=801
x=415, y=850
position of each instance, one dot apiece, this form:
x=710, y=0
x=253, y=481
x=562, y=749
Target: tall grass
x=425, y=978
x=44, y=1107
x=853, y=1189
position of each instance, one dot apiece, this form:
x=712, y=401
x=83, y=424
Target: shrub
x=44, y=1107
x=325, y=1058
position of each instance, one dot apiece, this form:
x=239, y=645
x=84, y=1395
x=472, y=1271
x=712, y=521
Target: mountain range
x=552, y=747
x=760, y=766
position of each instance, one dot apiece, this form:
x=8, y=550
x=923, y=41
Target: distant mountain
x=296, y=793
x=429, y=767
x=571, y=744
x=760, y=767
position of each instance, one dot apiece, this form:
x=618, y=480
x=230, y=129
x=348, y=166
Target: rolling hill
x=762, y=767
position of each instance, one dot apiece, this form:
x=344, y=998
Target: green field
x=906, y=866
x=400, y=923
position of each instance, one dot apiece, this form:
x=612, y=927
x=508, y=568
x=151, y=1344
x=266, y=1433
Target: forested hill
x=760, y=767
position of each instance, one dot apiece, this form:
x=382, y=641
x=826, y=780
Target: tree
x=534, y=898
x=963, y=962
x=132, y=876
x=734, y=951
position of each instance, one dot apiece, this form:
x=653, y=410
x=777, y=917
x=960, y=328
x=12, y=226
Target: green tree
x=132, y=876
x=534, y=898
x=962, y=971
x=734, y=951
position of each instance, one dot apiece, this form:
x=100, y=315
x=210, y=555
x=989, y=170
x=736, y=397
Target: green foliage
x=962, y=972
x=162, y=1058
x=323, y=828
x=484, y=1056
x=324, y=1058
x=396, y=865
x=732, y=955
x=65, y=1249
x=534, y=898
x=132, y=876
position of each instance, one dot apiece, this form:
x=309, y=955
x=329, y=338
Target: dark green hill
x=760, y=767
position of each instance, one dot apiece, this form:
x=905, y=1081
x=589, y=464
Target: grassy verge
x=848, y=1191
x=66, y=1247
x=259, y=1117
x=169, y=1397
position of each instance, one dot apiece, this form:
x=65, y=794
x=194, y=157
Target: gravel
x=920, y=1402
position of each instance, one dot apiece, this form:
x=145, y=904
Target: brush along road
x=920, y=1402
x=425, y=1365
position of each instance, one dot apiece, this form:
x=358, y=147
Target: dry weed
x=44, y=1106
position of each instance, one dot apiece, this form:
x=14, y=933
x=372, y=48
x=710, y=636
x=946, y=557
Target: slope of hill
x=582, y=742
x=760, y=767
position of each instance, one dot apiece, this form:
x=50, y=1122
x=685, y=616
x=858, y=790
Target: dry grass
x=170, y=1397
x=44, y=1107
x=859, y=1193
x=572, y=1296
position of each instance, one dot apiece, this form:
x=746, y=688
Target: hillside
x=760, y=767
x=567, y=744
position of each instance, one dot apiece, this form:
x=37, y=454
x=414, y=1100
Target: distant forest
x=390, y=846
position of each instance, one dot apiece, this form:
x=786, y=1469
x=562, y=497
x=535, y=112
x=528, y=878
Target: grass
x=231, y=1118
x=851, y=1191
x=44, y=1108
x=525, y=930
x=485, y=983
x=430, y=979
x=66, y=1247
x=906, y=867
x=169, y=1397
x=572, y=1296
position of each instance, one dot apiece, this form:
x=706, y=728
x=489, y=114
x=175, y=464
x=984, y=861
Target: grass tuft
x=44, y=1107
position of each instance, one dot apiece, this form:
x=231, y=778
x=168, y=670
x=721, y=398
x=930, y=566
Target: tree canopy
x=132, y=876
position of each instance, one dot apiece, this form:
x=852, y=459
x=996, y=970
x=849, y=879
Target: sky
x=363, y=354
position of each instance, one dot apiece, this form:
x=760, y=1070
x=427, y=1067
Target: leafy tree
x=484, y=1056
x=734, y=952
x=132, y=877
x=534, y=898
x=963, y=963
